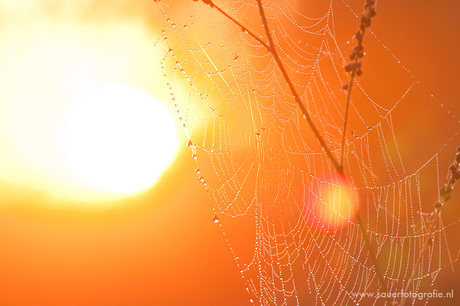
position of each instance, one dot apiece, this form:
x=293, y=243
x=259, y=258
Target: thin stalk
x=286, y=77
x=338, y=166
x=321, y=140
x=271, y=48
x=373, y=257
x=354, y=68
x=350, y=85
x=445, y=195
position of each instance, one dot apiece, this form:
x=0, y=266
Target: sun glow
x=331, y=203
x=119, y=139
x=50, y=70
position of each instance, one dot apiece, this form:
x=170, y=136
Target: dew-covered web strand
x=258, y=164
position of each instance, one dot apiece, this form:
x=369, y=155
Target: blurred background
x=159, y=247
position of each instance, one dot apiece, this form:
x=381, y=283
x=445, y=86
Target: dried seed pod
x=365, y=21
x=456, y=175
x=359, y=36
x=443, y=191
x=372, y=12
x=352, y=66
x=369, y=3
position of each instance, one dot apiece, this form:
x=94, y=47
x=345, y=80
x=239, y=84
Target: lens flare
x=331, y=203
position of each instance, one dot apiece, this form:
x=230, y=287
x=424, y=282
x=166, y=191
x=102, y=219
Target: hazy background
x=161, y=248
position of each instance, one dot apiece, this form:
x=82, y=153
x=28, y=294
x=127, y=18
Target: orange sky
x=161, y=247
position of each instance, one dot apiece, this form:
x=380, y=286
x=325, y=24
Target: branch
x=307, y=116
x=354, y=67
x=271, y=48
x=444, y=196
x=373, y=257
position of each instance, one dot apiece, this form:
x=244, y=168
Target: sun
x=119, y=139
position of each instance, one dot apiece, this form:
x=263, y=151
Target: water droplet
x=258, y=135
x=173, y=25
x=304, y=116
x=215, y=219
x=190, y=144
x=263, y=129
x=201, y=179
x=185, y=26
x=251, y=300
x=168, y=20
x=198, y=171
x=194, y=156
x=170, y=50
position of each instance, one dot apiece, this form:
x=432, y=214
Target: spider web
x=263, y=168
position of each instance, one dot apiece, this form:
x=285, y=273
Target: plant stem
x=444, y=197
x=286, y=77
x=373, y=257
x=350, y=85
x=321, y=140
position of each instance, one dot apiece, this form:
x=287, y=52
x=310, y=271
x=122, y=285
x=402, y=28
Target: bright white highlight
x=119, y=139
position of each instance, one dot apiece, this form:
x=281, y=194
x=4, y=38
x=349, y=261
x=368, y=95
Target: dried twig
x=445, y=195
x=271, y=48
x=354, y=67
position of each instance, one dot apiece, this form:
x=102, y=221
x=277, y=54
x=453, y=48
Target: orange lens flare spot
x=331, y=203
